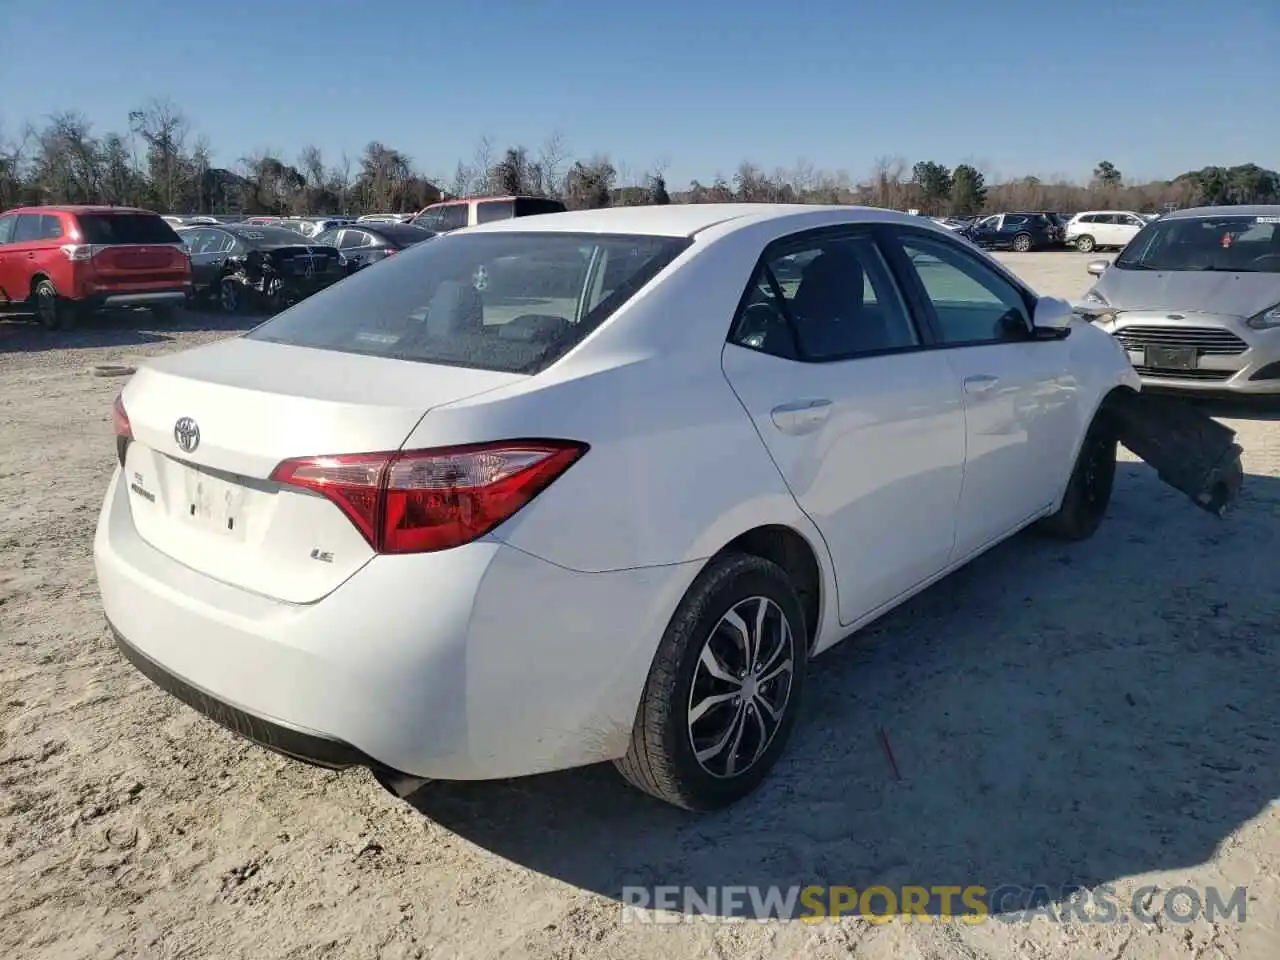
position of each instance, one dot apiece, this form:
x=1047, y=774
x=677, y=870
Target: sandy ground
x=1098, y=713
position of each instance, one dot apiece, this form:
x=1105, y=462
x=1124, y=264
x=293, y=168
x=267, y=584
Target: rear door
x=11, y=288
x=25, y=256
x=865, y=424
x=134, y=251
x=1020, y=397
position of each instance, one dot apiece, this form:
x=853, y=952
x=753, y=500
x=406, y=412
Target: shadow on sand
x=1062, y=715
x=119, y=328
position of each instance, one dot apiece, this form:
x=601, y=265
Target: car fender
x=1189, y=450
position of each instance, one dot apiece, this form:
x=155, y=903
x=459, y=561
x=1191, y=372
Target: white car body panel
x=527, y=650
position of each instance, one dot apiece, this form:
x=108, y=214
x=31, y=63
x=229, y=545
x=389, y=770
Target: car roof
x=683, y=219
x=79, y=208
x=1244, y=210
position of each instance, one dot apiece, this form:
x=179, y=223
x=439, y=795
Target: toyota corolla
x=594, y=486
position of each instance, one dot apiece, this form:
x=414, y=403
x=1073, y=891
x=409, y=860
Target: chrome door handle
x=800, y=416
x=980, y=383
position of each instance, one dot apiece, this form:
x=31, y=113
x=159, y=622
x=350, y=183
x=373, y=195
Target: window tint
x=532, y=206
x=28, y=228
x=212, y=241
x=972, y=302
x=50, y=227
x=6, y=228
x=328, y=238
x=488, y=210
x=514, y=302
x=833, y=300
x=109, y=228
x=448, y=216
x=404, y=235
x=1015, y=220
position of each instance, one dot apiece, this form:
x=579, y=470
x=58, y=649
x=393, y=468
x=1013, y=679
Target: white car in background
x=564, y=489
x=1100, y=229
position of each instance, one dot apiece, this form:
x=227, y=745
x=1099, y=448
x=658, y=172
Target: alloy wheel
x=741, y=687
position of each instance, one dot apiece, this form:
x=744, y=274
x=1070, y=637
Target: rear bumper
x=169, y=297
x=306, y=746
x=504, y=666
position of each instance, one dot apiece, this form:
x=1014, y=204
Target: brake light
x=81, y=251
x=421, y=501
x=122, y=427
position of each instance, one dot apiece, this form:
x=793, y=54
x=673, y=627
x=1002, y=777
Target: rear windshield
x=511, y=302
x=1233, y=244
x=262, y=235
x=106, y=228
x=402, y=234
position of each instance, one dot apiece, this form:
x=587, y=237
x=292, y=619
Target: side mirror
x=1052, y=316
x=1096, y=267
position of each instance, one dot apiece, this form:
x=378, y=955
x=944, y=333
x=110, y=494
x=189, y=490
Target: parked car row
x=62, y=263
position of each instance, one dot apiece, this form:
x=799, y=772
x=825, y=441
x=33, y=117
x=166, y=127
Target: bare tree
x=164, y=129
x=483, y=162
x=551, y=158
x=340, y=180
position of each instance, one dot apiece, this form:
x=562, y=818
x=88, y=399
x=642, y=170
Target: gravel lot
x=1097, y=713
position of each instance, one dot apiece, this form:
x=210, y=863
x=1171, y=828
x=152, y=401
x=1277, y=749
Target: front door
x=1020, y=397
x=865, y=425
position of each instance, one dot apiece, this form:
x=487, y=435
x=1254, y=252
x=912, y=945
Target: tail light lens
x=122, y=427
x=81, y=251
x=421, y=501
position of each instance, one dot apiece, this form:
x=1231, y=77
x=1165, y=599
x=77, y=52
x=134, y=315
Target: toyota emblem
x=186, y=433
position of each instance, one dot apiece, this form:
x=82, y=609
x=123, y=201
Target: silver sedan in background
x=1195, y=300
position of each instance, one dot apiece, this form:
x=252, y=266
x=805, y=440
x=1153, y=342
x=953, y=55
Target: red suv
x=66, y=261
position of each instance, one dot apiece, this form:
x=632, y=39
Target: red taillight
x=420, y=501
x=122, y=427
x=81, y=251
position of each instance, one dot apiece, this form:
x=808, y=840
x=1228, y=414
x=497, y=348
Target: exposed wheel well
x=792, y=553
x=1114, y=395
x=35, y=282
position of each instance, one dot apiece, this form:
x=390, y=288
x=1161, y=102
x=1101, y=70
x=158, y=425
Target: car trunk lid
x=211, y=424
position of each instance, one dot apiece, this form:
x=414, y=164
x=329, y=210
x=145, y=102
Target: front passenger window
x=833, y=300
x=972, y=303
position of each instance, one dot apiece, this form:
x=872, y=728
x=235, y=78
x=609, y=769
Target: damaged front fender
x=1189, y=450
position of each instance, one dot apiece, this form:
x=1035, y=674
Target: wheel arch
x=36, y=279
x=798, y=557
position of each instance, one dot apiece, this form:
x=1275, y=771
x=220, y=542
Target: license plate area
x=1170, y=358
x=211, y=503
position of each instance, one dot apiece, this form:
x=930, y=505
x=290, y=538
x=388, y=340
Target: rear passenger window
x=50, y=227
x=28, y=228
x=6, y=228
x=833, y=300
x=973, y=304
x=494, y=210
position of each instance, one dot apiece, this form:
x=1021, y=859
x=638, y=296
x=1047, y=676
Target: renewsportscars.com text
x=920, y=904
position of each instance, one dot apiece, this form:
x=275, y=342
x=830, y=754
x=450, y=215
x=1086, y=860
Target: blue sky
x=1024, y=86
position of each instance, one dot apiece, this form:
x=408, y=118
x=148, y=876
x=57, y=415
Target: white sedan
x=590, y=486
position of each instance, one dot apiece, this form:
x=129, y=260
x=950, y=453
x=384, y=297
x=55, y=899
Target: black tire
x=1085, y=244
x=1022, y=243
x=1089, y=490
x=53, y=312
x=230, y=295
x=661, y=759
